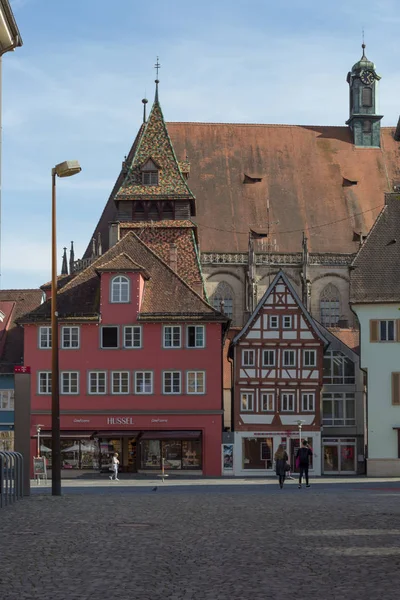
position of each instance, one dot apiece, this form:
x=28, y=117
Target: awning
x=67, y=434
x=115, y=434
x=171, y=435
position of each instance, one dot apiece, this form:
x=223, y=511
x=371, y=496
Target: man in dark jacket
x=303, y=454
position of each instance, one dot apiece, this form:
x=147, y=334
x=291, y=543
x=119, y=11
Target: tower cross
x=157, y=67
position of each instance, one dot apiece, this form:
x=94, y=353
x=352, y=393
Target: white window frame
x=6, y=399
x=249, y=396
x=203, y=339
x=290, y=322
x=330, y=397
x=171, y=384
x=174, y=329
x=71, y=329
x=66, y=377
x=271, y=326
x=251, y=354
x=308, y=402
x=47, y=331
x=310, y=353
x=97, y=375
x=273, y=353
x=102, y=328
x=144, y=375
x=202, y=385
x=387, y=321
x=120, y=283
x=270, y=399
x=284, y=362
x=289, y=398
x=134, y=329
x=119, y=380
x=47, y=377
x=339, y=358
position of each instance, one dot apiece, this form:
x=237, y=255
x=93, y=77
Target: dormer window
x=150, y=172
x=120, y=289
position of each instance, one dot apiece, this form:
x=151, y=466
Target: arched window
x=330, y=305
x=223, y=293
x=120, y=289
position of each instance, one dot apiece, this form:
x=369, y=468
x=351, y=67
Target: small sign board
x=39, y=467
x=22, y=369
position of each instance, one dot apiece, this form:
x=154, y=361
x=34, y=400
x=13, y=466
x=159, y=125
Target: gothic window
x=330, y=306
x=367, y=127
x=367, y=96
x=223, y=293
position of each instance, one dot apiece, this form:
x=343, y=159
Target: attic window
x=150, y=177
x=251, y=179
x=348, y=182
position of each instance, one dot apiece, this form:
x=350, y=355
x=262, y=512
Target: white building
x=375, y=298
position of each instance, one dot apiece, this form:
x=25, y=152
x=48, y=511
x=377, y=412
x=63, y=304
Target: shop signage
x=81, y=420
x=21, y=369
x=159, y=420
x=279, y=433
x=120, y=421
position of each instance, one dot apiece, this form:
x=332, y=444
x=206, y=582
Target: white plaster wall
x=381, y=359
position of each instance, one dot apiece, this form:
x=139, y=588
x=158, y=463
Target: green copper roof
x=363, y=63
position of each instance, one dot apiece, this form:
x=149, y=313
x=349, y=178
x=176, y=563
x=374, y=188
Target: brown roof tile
x=122, y=262
x=350, y=337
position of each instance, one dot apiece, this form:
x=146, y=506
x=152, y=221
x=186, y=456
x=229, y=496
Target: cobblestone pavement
x=248, y=542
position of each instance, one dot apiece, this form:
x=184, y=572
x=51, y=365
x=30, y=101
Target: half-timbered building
x=278, y=367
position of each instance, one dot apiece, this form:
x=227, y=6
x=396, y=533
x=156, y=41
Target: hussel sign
x=120, y=421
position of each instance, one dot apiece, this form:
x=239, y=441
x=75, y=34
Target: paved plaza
x=206, y=540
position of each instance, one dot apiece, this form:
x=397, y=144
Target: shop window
x=172, y=336
x=330, y=306
x=273, y=322
x=196, y=382
x=70, y=337
x=143, y=382
x=69, y=382
x=120, y=382
x=268, y=401
x=247, y=401
x=338, y=368
x=120, y=289
x=287, y=402
x=172, y=382
x=289, y=358
x=6, y=400
x=7, y=441
x=177, y=454
x=309, y=358
x=248, y=358
x=287, y=322
x=75, y=454
x=97, y=382
x=109, y=337
x=268, y=358
x=195, y=336
x=308, y=402
x=338, y=409
x=132, y=336
x=339, y=455
x=45, y=337
x=257, y=453
x=223, y=296
x=44, y=382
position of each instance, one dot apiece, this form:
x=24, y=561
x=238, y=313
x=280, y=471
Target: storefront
x=339, y=456
x=140, y=450
x=254, y=451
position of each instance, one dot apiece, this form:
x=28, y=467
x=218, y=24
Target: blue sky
x=74, y=90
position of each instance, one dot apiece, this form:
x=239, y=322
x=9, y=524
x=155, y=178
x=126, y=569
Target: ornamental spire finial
x=157, y=81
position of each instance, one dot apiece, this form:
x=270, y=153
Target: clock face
x=367, y=77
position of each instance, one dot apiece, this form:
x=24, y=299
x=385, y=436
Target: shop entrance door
x=339, y=456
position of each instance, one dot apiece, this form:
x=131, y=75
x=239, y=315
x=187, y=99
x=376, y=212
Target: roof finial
x=64, y=268
x=157, y=81
x=363, y=44
x=145, y=101
x=71, y=259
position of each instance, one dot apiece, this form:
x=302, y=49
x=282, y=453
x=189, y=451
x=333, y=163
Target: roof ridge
x=377, y=220
x=309, y=125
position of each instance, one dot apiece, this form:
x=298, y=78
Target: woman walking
x=281, y=459
x=115, y=463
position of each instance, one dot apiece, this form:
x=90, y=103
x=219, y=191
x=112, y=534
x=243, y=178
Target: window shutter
x=396, y=388
x=374, y=331
x=397, y=330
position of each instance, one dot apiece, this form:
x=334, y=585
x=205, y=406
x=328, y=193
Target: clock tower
x=364, y=121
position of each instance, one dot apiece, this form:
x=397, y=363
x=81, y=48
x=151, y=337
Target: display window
x=177, y=454
x=257, y=453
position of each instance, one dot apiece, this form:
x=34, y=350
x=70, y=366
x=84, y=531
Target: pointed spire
x=157, y=81
x=99, y=246
x=64, y=268
x=93, y=247
x=71, y=259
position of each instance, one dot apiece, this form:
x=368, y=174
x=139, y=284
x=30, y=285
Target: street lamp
x=38, y=429
x=300, y=425
x=64, y=169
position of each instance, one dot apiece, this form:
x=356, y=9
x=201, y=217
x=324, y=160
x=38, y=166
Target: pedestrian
x=114, y=466
x=303, y=460
x=281, y=465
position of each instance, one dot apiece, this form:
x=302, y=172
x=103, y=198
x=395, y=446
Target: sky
x=74, y=91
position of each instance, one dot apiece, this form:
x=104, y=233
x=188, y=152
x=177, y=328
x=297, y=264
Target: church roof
x=374, y=274
x=166, y=296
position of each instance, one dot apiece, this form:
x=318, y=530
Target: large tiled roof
x=166, y=295
x=374, y=276
x=24, y=301
x=310, y=175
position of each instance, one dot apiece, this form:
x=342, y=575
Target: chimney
x=173, y=257
x=397, y=132
x=198, y=288
x=113, y=234
x=99, y=246
x=71, y=259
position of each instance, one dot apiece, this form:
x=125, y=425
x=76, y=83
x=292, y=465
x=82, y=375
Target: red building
x=278, y=366
x=140, y=349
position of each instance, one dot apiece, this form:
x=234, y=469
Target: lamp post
x=64, y=169
x=300, y=425
x=38, y=429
